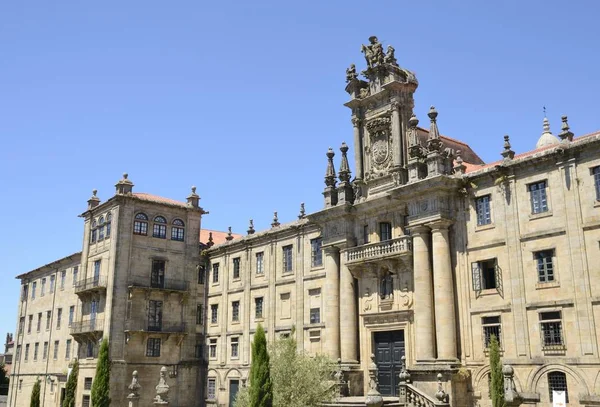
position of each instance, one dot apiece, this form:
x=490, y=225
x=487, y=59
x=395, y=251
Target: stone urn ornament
x=162, y=388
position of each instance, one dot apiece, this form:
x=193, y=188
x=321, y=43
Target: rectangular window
x=63, y=279
x=235, y=311
x=596, y=173
x=155, y=315
x=56, y=343
x=258, y=307
x=215, y=273
x=212, y=389
x=97, y=268
x=25, y=293
x=18, y=353
x=36, y=349
x=315, y=315
x=551, y=329
x=198, y=351
x=39, y=322
x=90, y=348
x=491, y=326
x=26, y=352
x=545, y=266
x=212, y=348
x=214, y=313
x=199, y=314
x=71, y=314
x=94, y=234
x=385, y=231
x=287, y=259
x=201, y=273
x=58, y=317
x=539, y=200
x=557, y=381
x=234, y=347
x=260, y=263
x=316, y=252
x=236, y=268
x=43, y=289
x=177, y=233
x=21, y=325
x=140, y=228
x=159, y=230
x=483, y=208
x=153, y=347
x=52, y=283
x=33, y=287
x=48, y=319
x=485, y=275
x=87, y=383
x=157, y=276
x=86, y=401
x=45, y=352
x=68, y=350
x=29, y=323
x=75, y=274
x=366, y=234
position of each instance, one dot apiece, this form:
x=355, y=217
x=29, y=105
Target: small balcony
x=373, y=252
x=149, y=326
x=159, y=284
x=92, y=328
x=90, y=285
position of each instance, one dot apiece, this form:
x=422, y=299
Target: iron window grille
x=159, y=229
x=557, y=381
x=316, y=252
x=491, y=326
x=212, y=387
x=258, y=307
x=215, y=273
x=87, y=383
x=483, y=208
x=236, y=268
x=157, y=276
x=140, y=224
x=214, y=313
x=86, y=401
x=260, y=257
x=153, y=347
x=212, y=349
x=538, y=196
x=551, y=329
x=234, y=347
x=287, y=259
x=235, y=311
x=545, y=265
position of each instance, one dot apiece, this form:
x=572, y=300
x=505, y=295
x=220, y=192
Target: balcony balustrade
x=150, y=326
x=159, y=284
x=90, y=284
x=376, y=251
x=88, y=326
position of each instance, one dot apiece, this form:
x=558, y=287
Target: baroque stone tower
x=381, y=106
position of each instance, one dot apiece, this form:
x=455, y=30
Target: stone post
x=332, y=302
x=425, y=348
x=445, y=323
x=133, y=399
x=349, y=322
x=373, y=398
x=396, y=134
x=511, y=397
x=404, y=377
x=358, y=159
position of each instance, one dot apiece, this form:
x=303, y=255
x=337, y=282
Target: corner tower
x=382, y=105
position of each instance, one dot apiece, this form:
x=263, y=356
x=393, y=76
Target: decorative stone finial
x=251, y=227
x=330, y=172
x=275, y=222
x=441, y=394
x=162, y=388
x=94, y=200
x=210, y=242
x=508, y=154
x=134, y=387
x=459, y=166
x=373, y=398
x=433, y=142
x=511, y=396
x=229, y=235
x=193, y=199
x=344, y=174
x=302, y=213
x=547, y=138
x=124, y=186
x=565, y=133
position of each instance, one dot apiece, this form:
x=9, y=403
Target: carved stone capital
x=420, y=230
x=441, y=225
x=395, y=105
x=356, y=122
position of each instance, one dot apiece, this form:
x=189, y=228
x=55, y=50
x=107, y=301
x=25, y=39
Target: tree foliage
x=71, y=387
x=3, y=380
x=35, y=394
x=101, y=385
x=261, y=388
x=496, y=377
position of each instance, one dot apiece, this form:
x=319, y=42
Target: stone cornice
x=51, y=267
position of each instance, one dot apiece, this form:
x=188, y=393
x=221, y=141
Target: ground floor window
x=557, y=381
x=212, y=387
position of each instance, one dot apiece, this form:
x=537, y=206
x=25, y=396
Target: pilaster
x=358, y=154
x=349, y=323
x=424, y=326
x=332, y=302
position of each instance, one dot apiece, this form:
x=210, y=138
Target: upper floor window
x=201, y=273
x=43, y=289
x=108, y=224
x=539, y=199
x=315, y=315
x=214, y=313
x=155, y=314
x=33, y=287
x=316, y=252
x=94, y=232
x=596, y=174
x=287, y=259
x=160, y=227
x=260, y=263
x=101, y=228
x=140, y=224
x=157, y=275
x=483, y=208
x=485, y=275
x=199, y=314
x=52, y=283
x=491, y=326
x=258, y=307
x=75, y=273
x=25, y=292
x=178, y=230
x=234, y=347
x=557, y=382
x=212, y=348
x=365, y=234
x=551, y=329
x=385, y=231
x=236, y=268
x=153, y=347
x=215, y=273
x=211, y=393
x=235, y=311
x=545, y=265
x=63, y=278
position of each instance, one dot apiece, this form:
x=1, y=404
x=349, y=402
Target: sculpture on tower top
x=373, y=52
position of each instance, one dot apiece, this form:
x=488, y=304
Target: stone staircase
x=410, y=396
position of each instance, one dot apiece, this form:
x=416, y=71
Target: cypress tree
x=261, y=388
x=35, y=394
x=71, y=387
x=101, y=386
x=496, y=377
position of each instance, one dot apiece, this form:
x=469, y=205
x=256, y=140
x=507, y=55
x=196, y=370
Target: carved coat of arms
x=379, y=132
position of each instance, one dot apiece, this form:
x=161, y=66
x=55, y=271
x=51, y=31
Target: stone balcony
x=90, y=329
x=374, y=252
x=91, y=285
x=165, y=284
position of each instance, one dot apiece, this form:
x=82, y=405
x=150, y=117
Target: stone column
x=424, y=328
x=445, y=322
x=332, y=302
x=349, y=323
x=396, y=136
x=358, y=158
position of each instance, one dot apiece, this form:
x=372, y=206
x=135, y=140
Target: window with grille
x=551, y=329
x=36, y=349
x=45, y=351
x=235, y=311
x=483, y=208
x=557, y=381
x=316, y=252
x=159, y=228
x=545, y=265
x=315, y=315
x=235, y=347
x=140, y=224
x=491, y=326
x=236, y=268
x=260, y=268
x=58, y=317
x=214, y=313
x=212, y=349
x=258, y=307
x=157, y=276
x=538, y=197
x=153, y=347
x=155, y=309
x=198, y=351
x=199, y=314
x=215, y=273
x=68, y=349
x=596, y=174
x=385, y=231
x=86, y=401
x=56, y=344
x=287, y=259
x=201, y=273
x=177, y=230
x=212, y=389
x=87, y=383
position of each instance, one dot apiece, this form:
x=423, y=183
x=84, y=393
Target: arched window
x=94, y=232
x=160, y=227
x=101, y=228
x=386, y=286
x=177, y=230
x=557, y=381
x=108, y=224
x=140, y=224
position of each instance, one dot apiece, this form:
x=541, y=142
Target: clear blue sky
x=242, y=100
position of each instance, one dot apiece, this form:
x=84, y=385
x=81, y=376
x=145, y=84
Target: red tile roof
x=158, y=199
x=218, y=236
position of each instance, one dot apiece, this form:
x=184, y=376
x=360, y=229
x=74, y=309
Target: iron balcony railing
x=160, y=284
x=92, y=325
x=399, y=245
x=90, y=284
x=151, y=326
